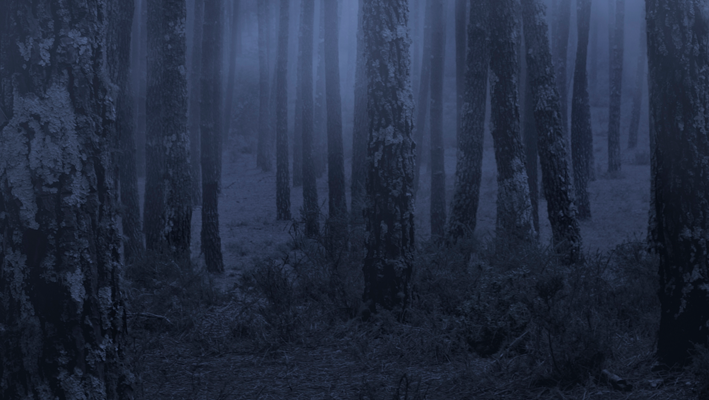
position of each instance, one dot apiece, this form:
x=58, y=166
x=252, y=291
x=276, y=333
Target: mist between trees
x=507, y=193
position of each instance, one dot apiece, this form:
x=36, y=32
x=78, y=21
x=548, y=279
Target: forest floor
x=252, y=333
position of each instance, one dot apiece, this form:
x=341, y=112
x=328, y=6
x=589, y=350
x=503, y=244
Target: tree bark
x=263, y=152
x=168, y=196
x=514, y=209
x=359, y=133
x=468, y=173
x=62, y=313
x=310, y=190
x=211, y=125
x=193, y=122
x=581, y=132
x=461, y=7
x=282, y=174
x=423, y=95
x=337, y=219
x=553, y=157
x=616, y=86
x=438, y=172
x=640, y=80
x=678, y=60
x=561, y=46
x=531, y=140
x=390, y=158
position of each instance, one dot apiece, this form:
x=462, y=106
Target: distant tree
x=640, y=80
x=438, y=172
x=390, y=157
x=298, y=119
x=337, y=218
x=62, y=313
x=552, y=141
x=320, y=110
x=168, y=197
x=211, y=125
x=263, y=152
x=282, y=174
x=514, y=209
x=310, y=189
x=560, y=38
x=421, y=108
x=468, y=172
x=140, y=75
x=359, y=131
x=232, y=52
x=678, y=60
x=193, y=106
x=581, y=133
x=461, y=7
x=616, y=86
x=118, y=40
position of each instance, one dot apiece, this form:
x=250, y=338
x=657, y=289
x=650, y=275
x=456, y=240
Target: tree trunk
x=514, y=209
x=337, y=218
x=62, y=313
x=263, y=154
x=438, y=172
x=531, y=140
x=320, y=112
x=616, y=86
x=193, y=122
x=310, y=189
x=553, y=157
x=359, y=133
x=461, y=7
x=168, y=201
x=640, y=80
x=561, y=46
x=423, y=95
x=282, y=174
x=468, y=173
x=678, y=60
x=141, y=88
x=211, y=135
x=231, y=62
x=298, y=122
x=390, y=163
x=581, y=132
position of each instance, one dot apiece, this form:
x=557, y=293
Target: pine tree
x=62, y=313
x=282, y=174
x=390, y=160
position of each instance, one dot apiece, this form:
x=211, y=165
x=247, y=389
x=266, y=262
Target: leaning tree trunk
x=263, y=151
x=310, y=189
x=118, y=61
x=678, y=60
x=168, y=196
x=616, y=86
x=468, y=173
x=438, y=172
x=211, y=135
x=423, y=99
x=282, y=174
x=337, y=219
x=552, y=141
x=62, y=313
x=359, y=132
x=514, y=209
x=640, y=80
x=390, y=157
x=193, y=106
x=581, y=132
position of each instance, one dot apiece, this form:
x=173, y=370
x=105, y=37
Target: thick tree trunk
x=640, y=80
x=514, y=209
x=337, y=219
x=359, y=133
x=531, y=140
x=560, y=39
x=438, y=172
x=193, y=122
x=62, y=313
x=423, y=95
x=168, y=196
x=581, y=133
x=553, y=157
x=211, y=135
x=616, y=86
x=263, y=152
x=390, y=163
x=678, y=60
x=468, y=173
x=282, y=173
x=310, y=190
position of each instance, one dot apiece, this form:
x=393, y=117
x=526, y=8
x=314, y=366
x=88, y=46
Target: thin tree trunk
x=263, y=155
x=337, y=218
x=390, y=208
x=298, y=121
x=514, y=216
x=310, y=190
x=581, y=132
x=282, y=173
x=640, y=80
x=193, y=106
x=62, y=313
x=231, y=62
x=468, y=173
x=211, y=135
x=359, y=133
x=553, y=157
x=320, y=112
x=616, y=86
x=438, y=173
x=423, y=95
